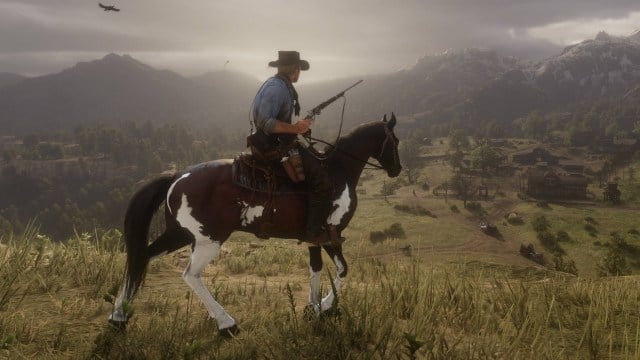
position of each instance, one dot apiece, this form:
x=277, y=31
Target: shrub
x=625, y=248
x=475, y=208
x=540, y=224
x=414, y=210
x=613, y=264
x=543, y=204
x=514, y=219
x=590, y=220
x=591, y=230
x=395, y=231
x=550, y=242
x=563, y=236
x=567, y=266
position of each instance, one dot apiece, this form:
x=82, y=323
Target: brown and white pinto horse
x=203, y=207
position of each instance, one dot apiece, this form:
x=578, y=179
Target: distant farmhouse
x=537, y=155
x=544, y=182
x=551, y=177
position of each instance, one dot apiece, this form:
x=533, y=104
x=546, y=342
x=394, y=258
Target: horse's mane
x=367, y=129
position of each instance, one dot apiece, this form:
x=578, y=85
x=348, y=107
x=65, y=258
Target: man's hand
x=302, y=126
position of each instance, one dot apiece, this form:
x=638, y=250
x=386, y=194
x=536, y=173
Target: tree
x=458, y=140
x=534, y=126
x=463, y=186
x=409, y=152
x=455, y=160
x=485, y=157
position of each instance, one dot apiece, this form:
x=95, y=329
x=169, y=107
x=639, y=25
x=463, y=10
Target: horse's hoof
x=309, y=313
x=229, y=332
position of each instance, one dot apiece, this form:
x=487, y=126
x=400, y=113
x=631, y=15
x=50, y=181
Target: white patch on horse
x=314, y=290
x=203, y=253
x=327, y=301
x=171, y=190
x=185, y=219
x=249, y=214
x=339, y=265
x=343, y=202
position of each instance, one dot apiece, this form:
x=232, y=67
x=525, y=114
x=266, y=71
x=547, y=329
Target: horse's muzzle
x=394, y=172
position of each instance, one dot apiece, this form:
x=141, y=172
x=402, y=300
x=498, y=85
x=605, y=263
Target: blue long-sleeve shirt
x=272, y=102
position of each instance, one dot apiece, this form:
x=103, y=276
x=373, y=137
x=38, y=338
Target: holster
x=271, y=153
x=292, y=165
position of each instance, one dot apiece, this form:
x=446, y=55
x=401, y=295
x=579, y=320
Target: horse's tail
x=142, y=206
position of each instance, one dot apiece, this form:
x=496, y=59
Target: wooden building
x=545, y=182
x=535, y=156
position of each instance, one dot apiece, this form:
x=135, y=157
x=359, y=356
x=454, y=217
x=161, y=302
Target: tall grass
x=387, y=310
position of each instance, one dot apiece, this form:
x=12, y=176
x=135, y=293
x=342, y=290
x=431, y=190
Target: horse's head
x=387, y=151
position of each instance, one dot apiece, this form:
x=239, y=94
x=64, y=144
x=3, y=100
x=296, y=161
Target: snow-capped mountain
x=635, y=36
x=604, y=67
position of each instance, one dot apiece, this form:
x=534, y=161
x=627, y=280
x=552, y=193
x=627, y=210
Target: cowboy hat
x=289, y=58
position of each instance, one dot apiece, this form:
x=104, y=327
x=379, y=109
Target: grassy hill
x=442, y=290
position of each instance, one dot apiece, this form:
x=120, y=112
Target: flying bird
x=108, y=7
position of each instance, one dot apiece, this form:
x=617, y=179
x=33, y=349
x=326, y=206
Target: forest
x=81, y=181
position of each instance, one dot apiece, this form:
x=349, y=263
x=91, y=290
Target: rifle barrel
x=316, y=110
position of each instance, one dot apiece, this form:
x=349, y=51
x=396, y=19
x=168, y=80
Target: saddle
x=250, y=173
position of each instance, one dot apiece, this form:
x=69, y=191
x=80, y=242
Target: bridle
x=390, y=137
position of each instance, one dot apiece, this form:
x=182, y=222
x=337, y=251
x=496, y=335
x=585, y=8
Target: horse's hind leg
x=171, y=240
x=335, y=253
x=205, y=250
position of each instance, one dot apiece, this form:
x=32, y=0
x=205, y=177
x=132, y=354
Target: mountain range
x=477, y=82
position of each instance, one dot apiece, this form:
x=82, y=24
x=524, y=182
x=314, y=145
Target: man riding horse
x=274, y=106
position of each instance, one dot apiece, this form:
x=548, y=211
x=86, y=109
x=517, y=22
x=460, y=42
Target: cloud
x=573, y=31
x=339, y=37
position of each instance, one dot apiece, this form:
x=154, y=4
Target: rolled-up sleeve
x=266, y=108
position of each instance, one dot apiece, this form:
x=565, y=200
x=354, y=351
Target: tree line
x=82, y=180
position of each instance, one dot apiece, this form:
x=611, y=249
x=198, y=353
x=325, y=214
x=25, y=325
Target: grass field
x=445, y=290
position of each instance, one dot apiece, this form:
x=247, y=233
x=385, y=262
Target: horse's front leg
x=315, y=268
x=335, y=253
x=315, y=261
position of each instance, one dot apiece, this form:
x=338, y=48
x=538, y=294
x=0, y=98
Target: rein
x=389, y=136
x=334, y=147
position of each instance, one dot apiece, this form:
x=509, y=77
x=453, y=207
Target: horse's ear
x=392, y=122
x=384, y=118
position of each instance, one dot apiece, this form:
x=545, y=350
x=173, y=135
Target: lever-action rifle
x=316, y=111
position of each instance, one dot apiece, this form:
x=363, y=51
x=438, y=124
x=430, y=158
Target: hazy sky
x=339, y=38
